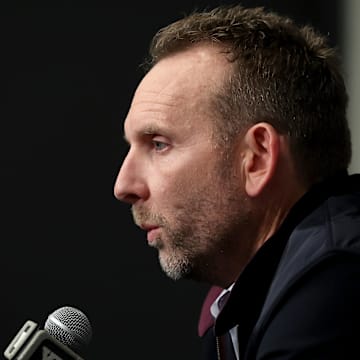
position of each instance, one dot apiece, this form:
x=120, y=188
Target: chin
x=175, y=268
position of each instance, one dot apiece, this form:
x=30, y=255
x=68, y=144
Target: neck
x=274, y=211
x=271, y=212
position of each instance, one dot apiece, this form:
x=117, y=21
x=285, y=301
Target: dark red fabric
x=206, y=320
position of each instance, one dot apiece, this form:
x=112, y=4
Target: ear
x=262, y=143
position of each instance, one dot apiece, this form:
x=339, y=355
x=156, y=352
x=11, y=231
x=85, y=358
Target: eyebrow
x=149, y=129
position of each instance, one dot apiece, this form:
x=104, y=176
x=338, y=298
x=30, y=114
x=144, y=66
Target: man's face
x=182, y=185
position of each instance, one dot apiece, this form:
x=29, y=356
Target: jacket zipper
x=218, y=352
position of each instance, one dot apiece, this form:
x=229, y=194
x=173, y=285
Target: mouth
x=152, y=232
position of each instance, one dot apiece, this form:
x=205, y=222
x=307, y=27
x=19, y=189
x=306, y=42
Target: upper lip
x=148, y=227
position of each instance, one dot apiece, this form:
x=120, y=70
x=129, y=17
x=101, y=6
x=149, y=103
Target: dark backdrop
x=67, y=77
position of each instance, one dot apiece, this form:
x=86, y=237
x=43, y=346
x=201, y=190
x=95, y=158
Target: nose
x=130, y=185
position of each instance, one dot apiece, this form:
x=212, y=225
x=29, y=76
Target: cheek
x=173, y=180
x=178, y=181
x=191, y=180
x=175, y=193
x=167, y=191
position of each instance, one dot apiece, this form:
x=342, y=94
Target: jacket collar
x=256, y=278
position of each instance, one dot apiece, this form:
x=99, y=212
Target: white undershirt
x=215, y=310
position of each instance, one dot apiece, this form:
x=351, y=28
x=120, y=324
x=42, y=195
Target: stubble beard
x=174, y=257
x=204, y=225
x=189, y=246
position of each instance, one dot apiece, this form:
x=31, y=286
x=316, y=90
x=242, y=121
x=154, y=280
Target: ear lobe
x=261, y=157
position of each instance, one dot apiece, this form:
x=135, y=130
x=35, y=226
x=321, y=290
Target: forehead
x=179, y=86
x=194, y=68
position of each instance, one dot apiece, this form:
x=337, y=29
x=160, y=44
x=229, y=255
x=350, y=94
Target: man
x=237, y=171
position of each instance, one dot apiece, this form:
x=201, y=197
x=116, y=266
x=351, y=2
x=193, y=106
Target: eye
x=159, y=145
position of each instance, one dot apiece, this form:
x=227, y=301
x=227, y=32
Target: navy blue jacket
x=299, y=297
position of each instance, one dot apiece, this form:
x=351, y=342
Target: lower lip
x=152, y=235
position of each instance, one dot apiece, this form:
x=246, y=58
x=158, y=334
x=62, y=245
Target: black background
x=68, y=72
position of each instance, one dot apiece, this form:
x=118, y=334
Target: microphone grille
x=70, y=326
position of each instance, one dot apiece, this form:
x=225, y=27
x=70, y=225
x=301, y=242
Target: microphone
x=66, y=333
